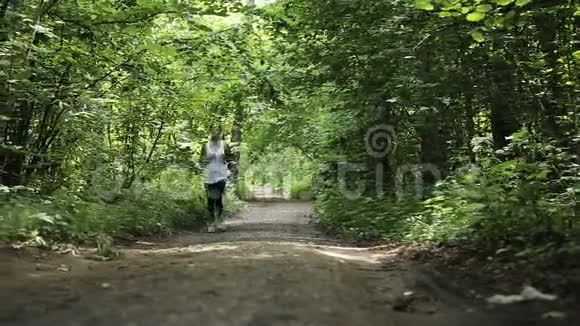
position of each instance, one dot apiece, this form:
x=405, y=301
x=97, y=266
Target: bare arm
x=203, y=155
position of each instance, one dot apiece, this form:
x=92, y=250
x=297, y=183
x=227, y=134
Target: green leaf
x=521, y=3
x=483, y=8
x=477, y=36
x=576, y=54
x=475, y=16
x=450, y=5
x=444, y=14
x=503, y=2
x=506, y=166
x=424, y=4
x=42, y=30
x=45, y=217
x=475, y=207
x=542, y=174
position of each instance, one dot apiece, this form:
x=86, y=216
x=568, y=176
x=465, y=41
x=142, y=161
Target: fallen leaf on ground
x=63, y=268
x=502, y=250
x=402, y=302
x=529, y=293
x=554, y=315
x=145, y=243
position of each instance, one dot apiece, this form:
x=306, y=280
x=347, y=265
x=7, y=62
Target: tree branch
x=111, y=22
x=153, y=147
x=98, y=80
x=4, y=8
x=134, y=20
x=46, y=9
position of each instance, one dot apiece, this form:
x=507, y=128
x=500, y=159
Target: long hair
x=219, y=129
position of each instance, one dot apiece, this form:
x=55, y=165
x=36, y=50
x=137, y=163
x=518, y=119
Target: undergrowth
x=175, y=200
x=300, y=187
x=522, y=198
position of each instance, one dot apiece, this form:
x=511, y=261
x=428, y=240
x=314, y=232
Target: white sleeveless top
x=217, y=168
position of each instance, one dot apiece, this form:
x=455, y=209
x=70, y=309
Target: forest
x=407, y=120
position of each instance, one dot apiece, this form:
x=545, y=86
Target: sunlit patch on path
x=374, y=255
x=188, y=249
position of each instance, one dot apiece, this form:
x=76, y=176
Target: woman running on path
x=217, y=158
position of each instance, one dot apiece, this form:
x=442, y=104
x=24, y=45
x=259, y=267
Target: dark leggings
x=215, y=194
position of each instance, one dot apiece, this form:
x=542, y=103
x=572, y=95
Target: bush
x=366, y=218
x=174, y=200
x=507, y=203
x=244, y=190
x=523, y=195
x=286, y=169
x=515, y=201
x=300, y=187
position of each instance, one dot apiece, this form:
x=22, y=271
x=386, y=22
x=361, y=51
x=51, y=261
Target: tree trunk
x=548, y=25
x=503, y=122
x=433, y=156
x=236, y=139
x=18, y=132
x=4, y=8
x=434, y=160
x=503, y=117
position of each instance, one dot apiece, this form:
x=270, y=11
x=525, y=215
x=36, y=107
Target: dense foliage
x=104, y=106
x=454, y=119
x=478, y=97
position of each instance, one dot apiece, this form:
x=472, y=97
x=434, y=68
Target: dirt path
x=271, y=268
